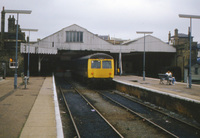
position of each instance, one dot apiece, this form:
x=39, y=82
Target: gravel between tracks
x=126, y=123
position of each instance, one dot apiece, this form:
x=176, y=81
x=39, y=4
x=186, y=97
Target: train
x=94, y=67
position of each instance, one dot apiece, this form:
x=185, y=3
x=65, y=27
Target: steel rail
x=128, y=109
x=97, y=111
x=75, y=127
x=159, y=111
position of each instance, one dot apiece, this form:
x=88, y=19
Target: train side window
x=96, y=64
x=106, y=65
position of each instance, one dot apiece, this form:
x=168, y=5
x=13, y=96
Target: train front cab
x=101, y=69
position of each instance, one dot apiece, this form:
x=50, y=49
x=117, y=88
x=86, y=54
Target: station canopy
x=76, y=38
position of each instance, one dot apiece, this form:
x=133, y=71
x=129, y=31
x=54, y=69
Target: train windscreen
x=106, y=65
x=96, y=64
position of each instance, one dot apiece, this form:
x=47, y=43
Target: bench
x=163, y=77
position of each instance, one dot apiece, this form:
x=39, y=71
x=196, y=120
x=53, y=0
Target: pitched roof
x=152, y=44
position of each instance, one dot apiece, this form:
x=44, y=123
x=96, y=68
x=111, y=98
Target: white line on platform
x=57, y=113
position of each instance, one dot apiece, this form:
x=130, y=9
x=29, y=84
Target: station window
x=74, y=36
x=96, y=64
x=106, y=64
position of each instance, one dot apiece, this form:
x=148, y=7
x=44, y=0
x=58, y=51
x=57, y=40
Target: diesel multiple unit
x=97, y=66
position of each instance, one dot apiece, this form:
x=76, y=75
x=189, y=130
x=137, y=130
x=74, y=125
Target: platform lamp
x=16, y=63
x=190, y=33
x=144, y=32
x=29, y=30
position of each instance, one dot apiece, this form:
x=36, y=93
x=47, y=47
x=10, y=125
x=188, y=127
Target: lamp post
x=190, y=33
x=16, y=63
x=141, y=32
x=29, y=30
x=120, y=61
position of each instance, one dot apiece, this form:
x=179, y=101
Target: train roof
x=97, y=56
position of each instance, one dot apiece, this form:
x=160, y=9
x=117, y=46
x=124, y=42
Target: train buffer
x=164, y=77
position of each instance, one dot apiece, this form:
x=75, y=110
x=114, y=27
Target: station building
x=55, y=52
x=181, y=42
x=8, y=46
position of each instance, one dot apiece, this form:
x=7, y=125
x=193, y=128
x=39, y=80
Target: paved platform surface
x=42, y=121
x=27, y=112
x=179, y=88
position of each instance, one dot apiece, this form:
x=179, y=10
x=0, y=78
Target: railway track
x=135, y=130
x=183, y=120
x=170, y=125
x=86, y=119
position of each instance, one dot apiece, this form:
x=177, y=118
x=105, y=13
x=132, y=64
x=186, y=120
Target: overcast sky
x=117, y=18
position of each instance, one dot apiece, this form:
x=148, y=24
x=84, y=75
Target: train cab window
x=96, y=64
x=106, y=65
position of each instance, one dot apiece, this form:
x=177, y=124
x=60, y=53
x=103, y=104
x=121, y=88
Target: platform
x=30, y=112
x=179, y=89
